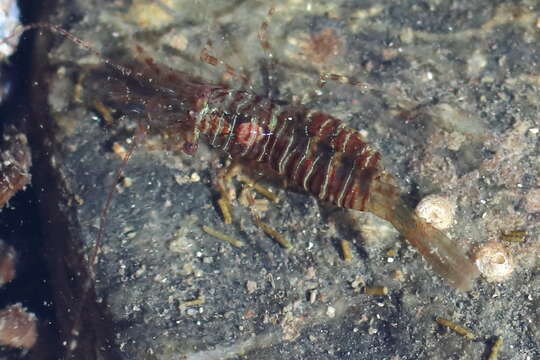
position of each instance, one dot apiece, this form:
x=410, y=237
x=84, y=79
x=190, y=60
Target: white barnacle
x=438, y=210
x=494, y=262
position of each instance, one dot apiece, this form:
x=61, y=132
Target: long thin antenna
x=59, y=30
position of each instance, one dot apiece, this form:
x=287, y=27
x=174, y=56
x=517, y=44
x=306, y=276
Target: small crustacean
x=309, y=150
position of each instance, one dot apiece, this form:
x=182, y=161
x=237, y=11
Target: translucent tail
x=444, y=255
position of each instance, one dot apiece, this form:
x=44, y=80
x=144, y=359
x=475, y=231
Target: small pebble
x=331, y=312
x=312, y=296
x=251, y=286
x=358, y=282
x=398, y=275
x=18, y=327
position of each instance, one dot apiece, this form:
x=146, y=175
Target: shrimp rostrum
x=309, y=150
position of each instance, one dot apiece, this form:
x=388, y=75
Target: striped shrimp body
x=316, y=152
x=309, y=150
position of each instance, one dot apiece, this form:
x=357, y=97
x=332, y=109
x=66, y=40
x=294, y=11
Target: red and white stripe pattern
x=310, y=149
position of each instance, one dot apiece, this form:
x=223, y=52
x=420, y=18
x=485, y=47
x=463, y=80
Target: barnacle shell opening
x=437, y=210
x=494, y=262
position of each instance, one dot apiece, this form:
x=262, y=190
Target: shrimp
x=309, y=150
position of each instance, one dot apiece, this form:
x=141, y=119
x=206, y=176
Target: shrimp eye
x=189, y=148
